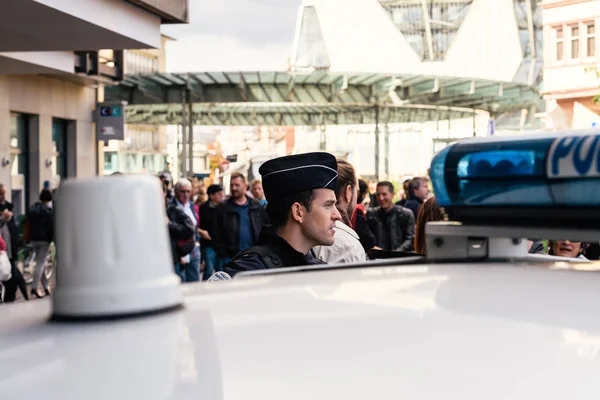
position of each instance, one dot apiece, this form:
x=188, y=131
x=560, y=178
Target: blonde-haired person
x=258, y=192
x=346, y=246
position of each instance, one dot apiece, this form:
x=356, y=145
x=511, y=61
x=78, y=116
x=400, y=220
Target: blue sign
x=116, y=111
x=574, y=157
x=105, y=111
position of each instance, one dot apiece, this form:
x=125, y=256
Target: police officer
x=300, y=191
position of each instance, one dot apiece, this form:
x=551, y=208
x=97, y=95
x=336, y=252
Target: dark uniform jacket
x=271, y=252
x=399, y=228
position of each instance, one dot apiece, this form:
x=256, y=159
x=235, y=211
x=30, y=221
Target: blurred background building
x=53, y=67
x=145, y=148
x=570, y=63
x=475, y=46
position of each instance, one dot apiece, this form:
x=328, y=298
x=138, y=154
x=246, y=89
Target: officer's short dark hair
x=387, y=184
x=278, y=209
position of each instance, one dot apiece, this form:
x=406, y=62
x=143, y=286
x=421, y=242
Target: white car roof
x=454, y=331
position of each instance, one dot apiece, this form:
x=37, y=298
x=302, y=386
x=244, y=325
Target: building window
x=19, y=144
x=59, y=147
x=19, y=151
x=574, y=42
x=137, y=63
x=111, y=162
x=559, y=43
x=591, y=39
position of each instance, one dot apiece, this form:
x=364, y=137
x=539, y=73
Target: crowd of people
x=210, y=231
x=38, y=230
x=308, y=209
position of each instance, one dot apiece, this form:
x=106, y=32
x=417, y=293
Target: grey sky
x=233, y=35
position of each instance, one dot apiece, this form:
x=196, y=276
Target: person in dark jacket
x=181, y=230
x=418, y=192
x=208, y=213
x=404, y=199
x=40, y=223
x=393, y=226
x=359, y=219
x=10, y=234
x=238, y=221
x=300, y=191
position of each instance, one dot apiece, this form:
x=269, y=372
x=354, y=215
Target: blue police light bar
x=540, y=179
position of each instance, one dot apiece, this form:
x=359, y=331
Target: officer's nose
x=336, y=216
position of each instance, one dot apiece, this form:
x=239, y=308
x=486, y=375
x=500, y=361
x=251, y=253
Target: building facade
x=145, y=148
x=570, y=63
x=52, y=72
x=475, y=45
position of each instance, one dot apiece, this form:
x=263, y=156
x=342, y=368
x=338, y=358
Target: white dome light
x=113, y=252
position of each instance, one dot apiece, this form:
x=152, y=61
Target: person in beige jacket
x=346, y=247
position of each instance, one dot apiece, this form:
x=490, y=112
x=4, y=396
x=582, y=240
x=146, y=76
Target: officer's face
x=318, y=224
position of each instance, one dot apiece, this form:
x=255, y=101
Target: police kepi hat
x=285, y=176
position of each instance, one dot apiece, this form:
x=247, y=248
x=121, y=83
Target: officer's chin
x=328, y=241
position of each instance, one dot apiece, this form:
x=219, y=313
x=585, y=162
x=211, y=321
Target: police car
x=478, y=319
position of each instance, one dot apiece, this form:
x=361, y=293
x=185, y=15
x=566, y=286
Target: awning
x=290, y=98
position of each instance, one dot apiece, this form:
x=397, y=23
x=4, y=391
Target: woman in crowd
x=429, y=212
x=359, y=218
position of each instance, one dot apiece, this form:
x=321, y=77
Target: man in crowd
x=258, y=192
x=208, y=214
x=188, y=267
x=393, y=226
x=181, y=232
x=40, y=224
x=405, y=196
x=347, y=247
x=238, y=221
x=300, y=190
x=418, y=192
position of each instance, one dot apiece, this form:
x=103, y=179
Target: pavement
x=20, y=295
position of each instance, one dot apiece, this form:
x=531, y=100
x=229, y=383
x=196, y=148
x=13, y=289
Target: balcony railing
x=170, y=11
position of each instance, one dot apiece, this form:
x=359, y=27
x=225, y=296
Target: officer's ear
x=298, y=212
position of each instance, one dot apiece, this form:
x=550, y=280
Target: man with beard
x=238, y=221
x=346, y=247
x=300, y=191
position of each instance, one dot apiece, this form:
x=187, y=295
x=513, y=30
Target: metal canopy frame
x=306, y=91
x=316, y=98
x=291, y=114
